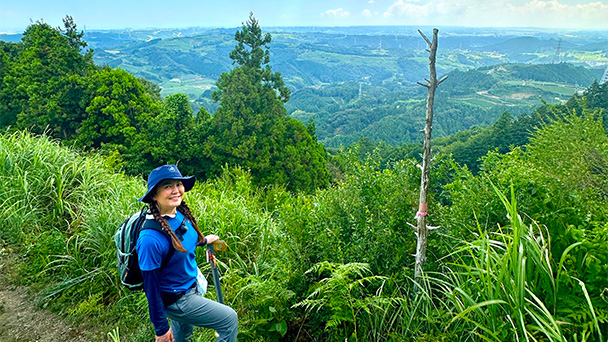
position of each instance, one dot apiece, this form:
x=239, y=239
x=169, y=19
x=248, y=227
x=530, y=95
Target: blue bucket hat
x=166, y=172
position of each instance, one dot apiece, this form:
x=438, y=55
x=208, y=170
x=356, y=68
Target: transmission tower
x=605, y=77
x=558, y=52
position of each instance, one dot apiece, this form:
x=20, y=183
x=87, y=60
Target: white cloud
x=408, y=9
x=554, y=12
x=366, y=13
x=537, y=13
x=339, y=12
x=370, y=1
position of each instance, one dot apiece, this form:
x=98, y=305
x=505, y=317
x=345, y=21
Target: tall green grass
x=59, y=210
x=503, y=285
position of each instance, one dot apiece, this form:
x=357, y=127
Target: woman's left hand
x=211, y=238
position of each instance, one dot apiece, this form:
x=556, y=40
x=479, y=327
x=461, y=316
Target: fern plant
x=345, y=294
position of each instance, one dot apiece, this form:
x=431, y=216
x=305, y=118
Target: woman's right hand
x=167, y=337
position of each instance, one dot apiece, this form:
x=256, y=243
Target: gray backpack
x=126, y=254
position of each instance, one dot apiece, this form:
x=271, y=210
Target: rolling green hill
x=517, y=84
x=342, y=113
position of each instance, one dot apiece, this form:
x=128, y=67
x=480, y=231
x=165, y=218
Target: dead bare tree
x=422, y=230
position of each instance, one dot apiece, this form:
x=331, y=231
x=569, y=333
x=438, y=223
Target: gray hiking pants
x=194, y=310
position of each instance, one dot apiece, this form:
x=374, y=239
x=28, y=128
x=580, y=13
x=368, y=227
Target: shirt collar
x=151, y=217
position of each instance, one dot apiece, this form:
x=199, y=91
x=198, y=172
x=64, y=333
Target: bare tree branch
x=425, y=38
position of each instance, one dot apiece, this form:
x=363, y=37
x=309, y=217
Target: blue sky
x=16, y=15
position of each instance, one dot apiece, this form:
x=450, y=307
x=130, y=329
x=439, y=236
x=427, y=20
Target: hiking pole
x=211, y=248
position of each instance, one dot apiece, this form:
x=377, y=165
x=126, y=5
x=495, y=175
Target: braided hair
x=184, y=209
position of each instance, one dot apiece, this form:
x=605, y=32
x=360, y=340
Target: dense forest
x=320, y=246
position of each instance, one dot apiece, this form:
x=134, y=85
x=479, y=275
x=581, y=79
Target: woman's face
x=169, y=195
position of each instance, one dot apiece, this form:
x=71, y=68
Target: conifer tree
x=251, y=127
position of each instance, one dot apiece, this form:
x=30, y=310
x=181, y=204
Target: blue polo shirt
x=153, y=246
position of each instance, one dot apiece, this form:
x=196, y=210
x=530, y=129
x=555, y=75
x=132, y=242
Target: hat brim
x=187, y=181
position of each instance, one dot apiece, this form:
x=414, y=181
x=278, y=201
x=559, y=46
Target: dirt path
x=20, y=320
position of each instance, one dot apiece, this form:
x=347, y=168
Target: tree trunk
x=422, y=229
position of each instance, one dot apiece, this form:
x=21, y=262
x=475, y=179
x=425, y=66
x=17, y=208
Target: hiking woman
x=171, y=287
